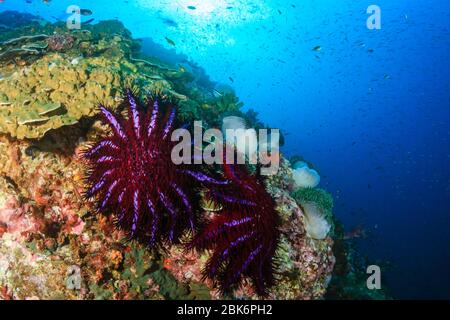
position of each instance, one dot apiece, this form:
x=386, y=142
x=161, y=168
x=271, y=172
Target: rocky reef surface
x=53, y=244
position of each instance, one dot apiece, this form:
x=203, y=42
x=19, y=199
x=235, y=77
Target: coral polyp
x=243, y=235
x=131, y=174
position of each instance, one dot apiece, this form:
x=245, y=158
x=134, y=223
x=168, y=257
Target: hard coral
x=60, y=42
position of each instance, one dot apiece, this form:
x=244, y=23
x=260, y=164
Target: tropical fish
x=88, y=21
x=191, y=7
x=317, y=48
x=85, y=12
x=170, y=41
x=169, y=22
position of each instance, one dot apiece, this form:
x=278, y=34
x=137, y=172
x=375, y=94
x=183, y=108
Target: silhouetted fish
x=88, y=21
x=85, y=12
x=170, y=41
x=169, y=22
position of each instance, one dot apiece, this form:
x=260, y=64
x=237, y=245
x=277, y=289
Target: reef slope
x=53, y=244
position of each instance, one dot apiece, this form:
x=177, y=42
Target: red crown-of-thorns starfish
x=131, y=174
x=243, y=235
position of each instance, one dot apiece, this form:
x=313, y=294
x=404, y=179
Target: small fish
x=85, y=12
x=317, y=48
x=217, y=94
x=88, y=21
x=231, y=79
x=279, y=12
x=32, y=151
x=170, y=41
x=191, y=7
x=169, y=22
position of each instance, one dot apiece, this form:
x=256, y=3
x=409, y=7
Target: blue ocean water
x=370, y=108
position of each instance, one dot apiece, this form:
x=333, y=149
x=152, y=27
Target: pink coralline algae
x=14, y=218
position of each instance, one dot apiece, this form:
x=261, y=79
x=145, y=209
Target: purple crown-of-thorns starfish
x=131, y=174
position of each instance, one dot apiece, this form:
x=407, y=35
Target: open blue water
x=371, y=108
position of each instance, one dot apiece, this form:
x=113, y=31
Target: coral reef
x=56, y=245
x=349, y=281
x=60, y=42
x=34, y=99
x=71, y=75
